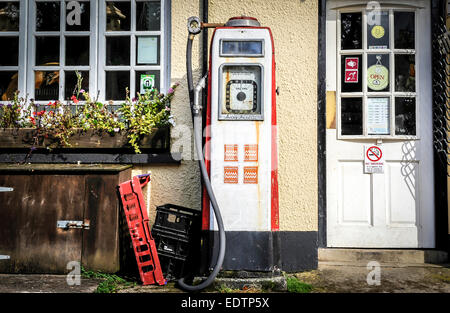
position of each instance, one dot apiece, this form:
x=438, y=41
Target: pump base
x=263, y=251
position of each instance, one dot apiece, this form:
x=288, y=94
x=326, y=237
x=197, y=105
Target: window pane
x=147, y=50
x=378, y=32
x=148, y=15
x=404, y=25
x=405, y=72
x=118, y=16
x=143, y=76
x=47, y=51
x=77, y=50
x=378, y=116
x=116, y=84
x=118, y=50
x=77, y=21
x=9, y=53
x=405, y=116
x=351, y=74
x=351, y=31
x=47, y=16
x=46, y=85
x=9, y=13
x=8, y=85
x=71, y=87
x=351, y=116
x=378, y=72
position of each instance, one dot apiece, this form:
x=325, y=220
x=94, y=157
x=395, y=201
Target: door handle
x=73, y=225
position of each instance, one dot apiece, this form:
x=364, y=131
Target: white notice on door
x=378, y=116
x=373, y=159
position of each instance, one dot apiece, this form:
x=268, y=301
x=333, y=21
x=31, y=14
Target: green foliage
x=295, y=285
x=55, y=122
x=110, y=283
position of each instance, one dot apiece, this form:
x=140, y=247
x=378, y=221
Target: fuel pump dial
x=241, y=85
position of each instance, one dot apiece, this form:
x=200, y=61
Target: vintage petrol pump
x=240, y=157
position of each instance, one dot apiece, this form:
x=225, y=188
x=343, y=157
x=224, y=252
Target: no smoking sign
x=373, y=159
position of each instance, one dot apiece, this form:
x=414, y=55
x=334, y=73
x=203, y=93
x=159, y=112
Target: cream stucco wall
x=294, y=25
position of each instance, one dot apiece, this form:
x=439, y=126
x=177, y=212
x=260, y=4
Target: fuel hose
x=198, y=136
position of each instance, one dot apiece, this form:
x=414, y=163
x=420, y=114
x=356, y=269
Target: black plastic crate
x=176, y=232
x=175, y=219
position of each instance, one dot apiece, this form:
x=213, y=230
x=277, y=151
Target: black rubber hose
x=198, y=134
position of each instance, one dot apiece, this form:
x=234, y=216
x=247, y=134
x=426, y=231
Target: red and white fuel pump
x=239, y=168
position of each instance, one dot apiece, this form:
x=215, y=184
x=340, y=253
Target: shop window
x=112, y=44
x=377, y=91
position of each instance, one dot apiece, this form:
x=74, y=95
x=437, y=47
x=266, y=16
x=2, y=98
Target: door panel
x=28, y=218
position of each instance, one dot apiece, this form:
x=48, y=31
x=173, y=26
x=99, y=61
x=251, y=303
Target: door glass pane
x=351, y=74
x=144, y=80
x=8, y=84
x=148, y=16
x=71, y=87
x=404, y=25
x=405, y=72
x=9, y=13
x=9, y=53
x=118, y=16
x=47, y=16
x=351, y=31
x=378, y=30
x=116, y=84
x=378, y=116
x=405, y=116
x=47, y=51
x=77, y=50
x=378, y=72
x=351, y=116
x=78, y=16
x=147, y=50
x=118, y=50
x=46, y=85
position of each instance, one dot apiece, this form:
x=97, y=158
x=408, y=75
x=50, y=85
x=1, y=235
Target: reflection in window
x=47, y=51
x=77, y=50
x=46, y=85
x=47, y=16
x=9, y=16
x=8, y=84
x=116, y=84
x=148, y=16
x=405, y=72
x=404, y=25
x=242, y=47
x=351, y=31
x=118, y=16
x=9, y=52
x=118, y=50
x=405, y=116
x=351, y=116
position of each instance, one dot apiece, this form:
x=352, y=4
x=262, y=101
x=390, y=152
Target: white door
x=379, y=85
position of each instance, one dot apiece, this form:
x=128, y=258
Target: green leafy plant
x=55, y=123
x=297, y=286
x=110, y=283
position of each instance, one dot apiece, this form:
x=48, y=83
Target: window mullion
x=364, y=73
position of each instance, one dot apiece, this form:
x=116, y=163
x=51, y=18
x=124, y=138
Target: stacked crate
x=177, y=237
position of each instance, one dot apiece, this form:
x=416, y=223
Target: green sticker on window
x=147, y=83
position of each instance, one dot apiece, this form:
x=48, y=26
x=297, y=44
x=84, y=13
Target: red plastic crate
x=137, y=219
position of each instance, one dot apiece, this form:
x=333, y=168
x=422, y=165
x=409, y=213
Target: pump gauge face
x=241, y=87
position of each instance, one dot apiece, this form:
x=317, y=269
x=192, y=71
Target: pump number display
x=241, y=92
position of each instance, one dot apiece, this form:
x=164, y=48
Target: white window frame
x=27, y=49
x=364, y=94
x=163, y=34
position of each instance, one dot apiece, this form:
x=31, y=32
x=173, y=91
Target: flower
x=74, y=99
x=167, y=108
x=170, y=90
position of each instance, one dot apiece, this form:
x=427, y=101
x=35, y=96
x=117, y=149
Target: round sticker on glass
x=378, y=31
x=377, y=77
